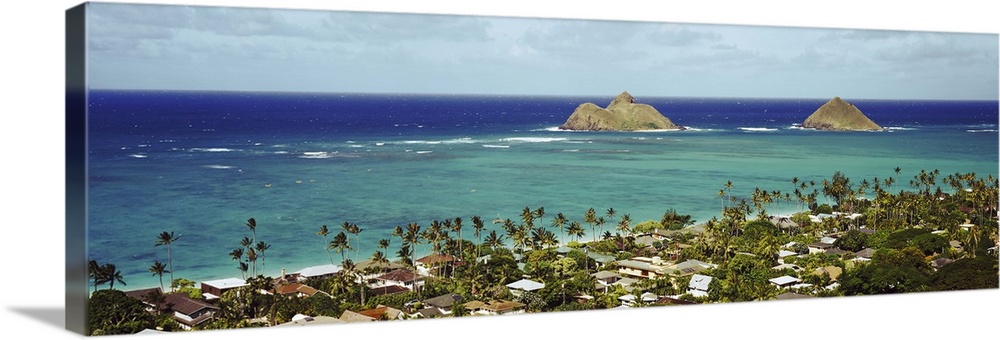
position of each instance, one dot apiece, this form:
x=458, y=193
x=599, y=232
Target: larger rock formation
x=839, y=115
x=623, y=114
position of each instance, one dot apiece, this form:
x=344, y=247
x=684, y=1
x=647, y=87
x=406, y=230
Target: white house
x=524, y=285
x=698, y=286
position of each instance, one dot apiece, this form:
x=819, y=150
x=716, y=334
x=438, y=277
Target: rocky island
x=623, y=114
x=839, y=115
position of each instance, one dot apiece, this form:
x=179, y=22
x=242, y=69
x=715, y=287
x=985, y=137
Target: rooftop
x=321, y=270
x=526, y=285
x=225, y=283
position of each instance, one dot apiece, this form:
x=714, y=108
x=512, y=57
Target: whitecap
x=571, y=150
x=213, y=149
x=138, y=155
x=317, y=154
x=143, y=145
x=757, y=129
x=423, y=152
x=216, y=166
x=535, y=139
x=891, y=128
x=979, y=131
x=496, y=146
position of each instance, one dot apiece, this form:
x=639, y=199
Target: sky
x=138, y=46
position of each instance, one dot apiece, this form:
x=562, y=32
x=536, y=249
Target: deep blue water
x=201, y=163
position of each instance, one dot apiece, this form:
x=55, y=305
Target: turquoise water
x=204, y=183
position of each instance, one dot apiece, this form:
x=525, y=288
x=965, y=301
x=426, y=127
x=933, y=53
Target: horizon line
x=513, y=95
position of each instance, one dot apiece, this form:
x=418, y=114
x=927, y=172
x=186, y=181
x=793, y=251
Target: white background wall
x=31, y=128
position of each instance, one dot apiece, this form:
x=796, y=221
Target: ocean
x=200, y=164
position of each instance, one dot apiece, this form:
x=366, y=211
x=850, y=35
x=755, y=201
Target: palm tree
x=457, y=227
x=559, y=222
x=252, y=224
x=340, y=244
x=591, y=217
x=539, y=213
x=92, y=271
x=412, y=238
x=111, y=274
x=576, y=230
x=237, y=255
x=611, y=213
x=600, y=223
x=261, y=247
x=158, y=268
x=349, y=228
x=323, y=231
x=493, y=240
x=625, y=225
x=167, y=239
x=477, y=227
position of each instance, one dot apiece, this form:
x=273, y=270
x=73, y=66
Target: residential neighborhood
x=520, y=268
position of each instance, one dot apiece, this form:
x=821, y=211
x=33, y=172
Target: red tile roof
x=400, y=275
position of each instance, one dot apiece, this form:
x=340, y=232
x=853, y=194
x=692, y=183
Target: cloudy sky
x=214, y=48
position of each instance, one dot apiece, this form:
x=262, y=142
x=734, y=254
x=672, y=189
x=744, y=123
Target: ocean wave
x=694, y=129
x=465, y=140
x=658, y=130
x=757, y=129
x=424, y=151
x=496, y=146
x=318, y=154
x=213, y=149
x=892, y=128
x=167, y=141
x=571, y=150
x=980, y=131
x=357, y=146
x=216, y=166
x=138, y=155
x=535, y=139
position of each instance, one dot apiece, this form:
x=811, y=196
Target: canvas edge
x=76, y=165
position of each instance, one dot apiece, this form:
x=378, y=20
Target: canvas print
x=252, y=167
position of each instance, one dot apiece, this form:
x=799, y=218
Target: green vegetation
x=911, y=232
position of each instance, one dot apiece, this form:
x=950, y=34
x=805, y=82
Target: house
x=322, y=272
x=302, y=320
x=388, y=290
x=297, y=289
x=820, y=247
x=601, y=259
x=630, y=300
x=213, y=289
x=429, y=312
x=626, y=282
x=699, y=285
x=689, y=267
x=784, y=266
x=401, y=277
x=431, y=263
x=501, y=307
x=382, y=312
x=645, y=240
x=444, y=302
x=828, y=239
x=784, y=281
x=837, y=252
x=186, y=311
x=833, y=271
x=865, y=254
x=524, y=285
x=372, y=269
x=350, y=316
x=146, y=296
x=640, y=269
x=782, y=254
x=605, y=277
